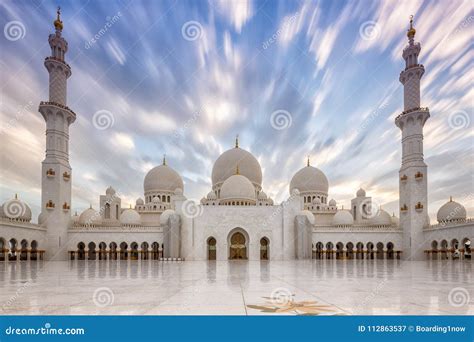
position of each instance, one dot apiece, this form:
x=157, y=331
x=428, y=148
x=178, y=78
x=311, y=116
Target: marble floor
x=306, y=287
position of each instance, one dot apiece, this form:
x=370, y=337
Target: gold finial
x=411, y=31
x=58, y=24
x=237, y=171
x=16, y=196
x=308, y=161
x=164, y=159
x=450, y=198
x=237, y=141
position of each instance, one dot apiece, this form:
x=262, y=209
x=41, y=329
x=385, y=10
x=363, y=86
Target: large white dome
x=238, y=187
x=130, y=217
x=381, y=219
x=89, y=217
x=343, y=218
x=225, y=166
x=451, y=211
x=16, y=209
x=309, y=179
x=162, y=178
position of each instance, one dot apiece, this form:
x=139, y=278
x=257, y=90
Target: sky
x=291, y=78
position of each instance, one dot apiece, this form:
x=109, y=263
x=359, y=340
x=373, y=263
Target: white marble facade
x=236, y=219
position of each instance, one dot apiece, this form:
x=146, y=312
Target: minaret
x=56, y=171
x=413, y=172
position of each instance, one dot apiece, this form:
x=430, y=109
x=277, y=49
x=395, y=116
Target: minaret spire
x=58, y=24
x=308, y=164
x=164, y=159
x=237, y=141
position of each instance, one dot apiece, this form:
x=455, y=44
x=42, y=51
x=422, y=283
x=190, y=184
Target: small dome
x=165, y=216
x=203, y=200
x=309, y=179
x=225, y=165
x=130, y=217
x=332, y=203
x=178, y=191
x=317, y=200
x=343, y=218
x=451, y=211
x=155, y=199
x=74, y=218
x=309, y=215
x=395, y=220
x=139, y=201
x=237, y=187
x=16, y=209
x=89, y=217
x=295, y=192
x=382, y=218
x=360, y=193
x=211, y=196
x=270, y=201
x=262, y=196
x=110, y=191
x=162, y=178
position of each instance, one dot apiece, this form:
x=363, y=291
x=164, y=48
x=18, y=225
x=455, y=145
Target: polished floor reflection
x=148, y=287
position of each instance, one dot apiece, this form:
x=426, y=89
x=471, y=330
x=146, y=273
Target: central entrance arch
x=238, y=244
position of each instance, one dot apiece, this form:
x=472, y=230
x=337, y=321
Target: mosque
x=236, y=219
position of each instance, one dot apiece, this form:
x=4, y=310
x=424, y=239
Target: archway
x=379, y=250
x=102, y=251
x=134, y=251
x=390, y=253
x=319, y=250
x=370, y=250
x=466, y=245
x=24, y=250
x=34, y=250
x=339, y=250
x=455, y=254
x=144, y=250
x=264, y=249
x=123, y=251
x=3, y=249
x=81, y=254
x=350, y=250
x=113, y=251
x=360, y=250
x=13, y=247
x=434, y=250
x=155, y=253
x=211, y=248
x=329, y=250
x=444, y=249
x=91, y=253
x=238, y=246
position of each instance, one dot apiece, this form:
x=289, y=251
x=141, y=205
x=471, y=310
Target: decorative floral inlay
x=290, y=306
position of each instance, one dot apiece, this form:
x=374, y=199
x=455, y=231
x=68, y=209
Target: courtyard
x=306, y=287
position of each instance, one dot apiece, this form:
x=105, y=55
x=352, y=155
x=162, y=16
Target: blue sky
x=184, y=77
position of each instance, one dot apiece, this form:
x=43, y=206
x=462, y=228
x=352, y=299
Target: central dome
x=225, y=165
x=238, y=187
x=309, y=179
x=162, y=178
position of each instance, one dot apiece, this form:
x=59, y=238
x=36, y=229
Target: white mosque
x=236, y=219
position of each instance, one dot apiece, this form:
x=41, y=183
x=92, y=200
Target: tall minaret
x=413, y=172
x=56, y=171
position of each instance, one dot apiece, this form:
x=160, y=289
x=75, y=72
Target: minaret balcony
x=418, y=176
x=419, y=207
x=45, y=105
x=66, y=176
x=50, y=173
x=52, y=58
x=50, y=205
